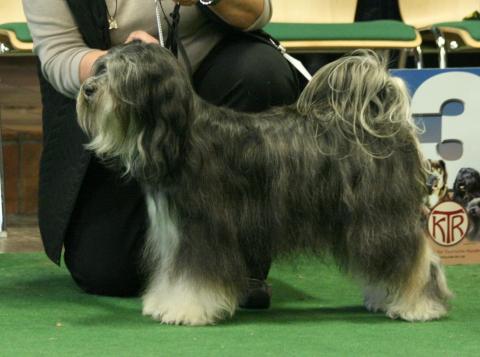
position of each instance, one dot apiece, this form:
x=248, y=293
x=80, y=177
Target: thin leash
x=173, y=44
x=172, y=36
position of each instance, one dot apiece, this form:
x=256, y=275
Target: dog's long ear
x=167, y=114
x=153, y=95
x=442, y=164
x=445, y=172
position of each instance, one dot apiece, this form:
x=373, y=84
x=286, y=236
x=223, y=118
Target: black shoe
x=258, y=295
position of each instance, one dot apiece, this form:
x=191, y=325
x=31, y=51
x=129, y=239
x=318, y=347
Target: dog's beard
x=112, y=137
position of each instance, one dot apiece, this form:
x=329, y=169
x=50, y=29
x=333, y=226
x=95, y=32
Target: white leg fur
x=181, y=300
x=421, y=299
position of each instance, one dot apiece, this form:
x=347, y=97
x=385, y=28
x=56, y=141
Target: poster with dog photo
x=446, y=107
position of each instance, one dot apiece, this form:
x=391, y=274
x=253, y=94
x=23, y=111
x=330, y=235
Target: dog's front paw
x=176, y=313
x=149, y=304
x=191, y=316
x=187, y=306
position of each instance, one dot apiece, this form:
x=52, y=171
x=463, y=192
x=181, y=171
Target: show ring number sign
x=446, y=106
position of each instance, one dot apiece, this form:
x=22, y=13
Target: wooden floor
x=22, y=235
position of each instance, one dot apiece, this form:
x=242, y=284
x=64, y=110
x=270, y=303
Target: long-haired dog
x=473, y=211
x=466, y=186
x=338, y=172
x=436, y=182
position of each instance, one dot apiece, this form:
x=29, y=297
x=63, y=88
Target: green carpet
x=315, y=311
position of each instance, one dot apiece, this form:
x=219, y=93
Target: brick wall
x=20, y=118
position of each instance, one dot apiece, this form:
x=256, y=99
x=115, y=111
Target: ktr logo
x=448, y=223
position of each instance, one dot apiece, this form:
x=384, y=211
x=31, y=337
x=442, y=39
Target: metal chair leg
x=3, y=48
x=402, y=58
x=418, y=54
x=442, y=51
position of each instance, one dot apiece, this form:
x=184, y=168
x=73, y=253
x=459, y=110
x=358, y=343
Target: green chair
x=14, y=33
x=444, y=20
x=327, y=25
x=16, y=36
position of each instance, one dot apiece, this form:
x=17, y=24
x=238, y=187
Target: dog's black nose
x=88, y=89
x=431, y=183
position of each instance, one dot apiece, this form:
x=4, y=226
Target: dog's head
x=473, y=208
x=136, y=109
x=467, y=183
x=437, y=175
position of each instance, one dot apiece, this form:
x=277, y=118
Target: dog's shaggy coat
x=337, y=172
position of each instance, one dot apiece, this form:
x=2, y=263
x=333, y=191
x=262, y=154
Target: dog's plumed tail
x=358, y=96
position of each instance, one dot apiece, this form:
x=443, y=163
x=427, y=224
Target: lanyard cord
x=173, y=43
x=173, y=38
x=159, y=23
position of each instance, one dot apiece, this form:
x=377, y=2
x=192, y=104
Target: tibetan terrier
x=338, y=172
x=473, y=211
x=466, y=186
x=436, y=183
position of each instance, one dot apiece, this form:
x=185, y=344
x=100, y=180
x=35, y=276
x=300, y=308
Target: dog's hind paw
x=375, y=298
x=373, y=306
x=425, y=310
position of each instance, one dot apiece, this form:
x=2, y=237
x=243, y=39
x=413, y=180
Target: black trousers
x=107, y=230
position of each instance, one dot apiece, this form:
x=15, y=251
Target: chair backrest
x=314, y=11
x=422, y=13
x=12, y=11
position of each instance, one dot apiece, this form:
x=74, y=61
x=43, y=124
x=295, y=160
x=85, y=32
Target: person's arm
x=241, y=13
x=86, y=64
x=58, y=44
x=244, y=14
x=66, y=60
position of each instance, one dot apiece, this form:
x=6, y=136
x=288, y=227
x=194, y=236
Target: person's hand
x=141, y=36
x=186, y=2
